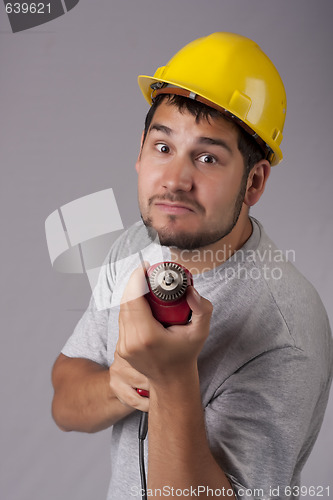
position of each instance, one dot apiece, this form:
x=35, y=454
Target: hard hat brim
x=145, y=83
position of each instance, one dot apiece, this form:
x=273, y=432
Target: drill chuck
x=167, y=282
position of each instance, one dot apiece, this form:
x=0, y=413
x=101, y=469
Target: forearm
x=83, y=400
x=179, y=455
x=178, y=452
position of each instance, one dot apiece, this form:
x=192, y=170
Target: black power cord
x=143, y=429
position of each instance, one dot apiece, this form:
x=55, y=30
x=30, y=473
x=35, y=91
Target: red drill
x=167, y=282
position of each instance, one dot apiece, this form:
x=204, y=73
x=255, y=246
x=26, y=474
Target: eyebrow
x=214, y=141
x=161, y=128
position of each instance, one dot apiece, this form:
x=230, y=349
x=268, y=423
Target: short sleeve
x=90, y=336
x=262, y=423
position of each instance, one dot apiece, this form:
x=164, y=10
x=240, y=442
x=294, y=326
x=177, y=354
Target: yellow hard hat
x=232, y=74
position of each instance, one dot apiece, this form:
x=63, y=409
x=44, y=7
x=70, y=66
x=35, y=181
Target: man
x=237, y=395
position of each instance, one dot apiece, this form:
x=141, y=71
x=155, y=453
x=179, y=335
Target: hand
x=124, y=380
x=161, y=354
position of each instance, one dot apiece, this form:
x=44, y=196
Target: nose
x=178, y=175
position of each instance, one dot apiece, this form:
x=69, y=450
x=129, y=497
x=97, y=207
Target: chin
x=183, y=240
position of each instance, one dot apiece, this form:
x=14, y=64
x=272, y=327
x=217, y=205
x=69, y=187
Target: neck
x=204, y=259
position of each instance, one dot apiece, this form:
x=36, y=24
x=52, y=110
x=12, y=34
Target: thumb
x=137, y=284
x=201, y=308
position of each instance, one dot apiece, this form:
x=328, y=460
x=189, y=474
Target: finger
x=201, y=308
x=131, y=398
x=122, y=370
x=126, y=393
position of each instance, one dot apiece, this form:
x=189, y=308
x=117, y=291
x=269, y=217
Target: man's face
x=191, y=181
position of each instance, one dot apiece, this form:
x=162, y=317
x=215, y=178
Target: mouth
x=174, y=208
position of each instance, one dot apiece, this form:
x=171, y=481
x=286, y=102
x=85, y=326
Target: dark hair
x=250, y=150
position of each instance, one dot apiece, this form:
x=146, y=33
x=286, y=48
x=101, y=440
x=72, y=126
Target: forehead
x=182, y=120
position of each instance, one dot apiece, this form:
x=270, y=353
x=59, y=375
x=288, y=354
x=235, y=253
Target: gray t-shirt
x=265, y=369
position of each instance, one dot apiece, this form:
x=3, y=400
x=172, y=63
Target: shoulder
x=291, y=290
x=296, y=300
x=265, y=308
x=131, y=241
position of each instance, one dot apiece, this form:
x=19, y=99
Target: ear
x=256, y=182
x=137, y=163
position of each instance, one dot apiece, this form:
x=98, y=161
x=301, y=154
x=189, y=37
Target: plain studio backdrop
x=71, y=118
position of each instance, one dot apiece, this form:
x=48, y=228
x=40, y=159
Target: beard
x=193, y=240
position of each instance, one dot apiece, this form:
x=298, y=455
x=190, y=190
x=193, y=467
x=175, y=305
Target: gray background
x=71, y=117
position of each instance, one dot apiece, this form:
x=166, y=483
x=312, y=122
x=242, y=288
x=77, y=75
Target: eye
x=162, y=148
x=207, y=158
